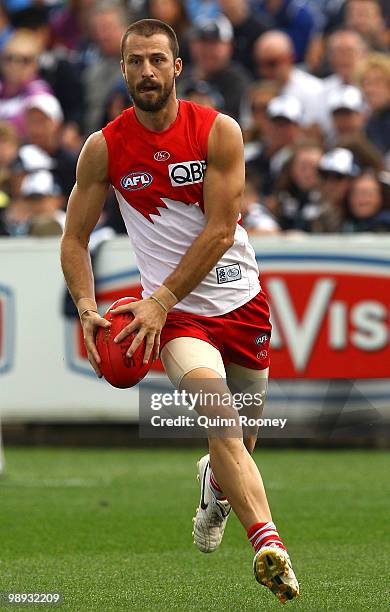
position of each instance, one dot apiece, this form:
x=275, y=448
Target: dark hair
x=148, y=27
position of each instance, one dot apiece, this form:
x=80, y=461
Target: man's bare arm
x=84, y=209
x=222, y=193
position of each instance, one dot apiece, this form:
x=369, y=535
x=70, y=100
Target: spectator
x=346, y=49
x=247, y=27
x=347, y=109
x=44, y=201
x=260, y=95
x=366, y=17
x=367, y=208
x=9, y=144
x=43, y=119
x=330, y=16
x=337, y=168
x=108, y=23
x=285, y=115
x=204, y=94
x=374, y=78
x=274, y=56
x=15, y=220
x=60, y=69
x=118, y=100
x=349, y=118
x=256, y=219
x=211, y=51
x=19, y=67
x=29, y=159
x=298, y=193
x=293, y=17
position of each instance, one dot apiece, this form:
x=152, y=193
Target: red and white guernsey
x=158, y=180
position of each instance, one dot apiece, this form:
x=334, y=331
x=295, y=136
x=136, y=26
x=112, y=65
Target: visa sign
x=329, y=325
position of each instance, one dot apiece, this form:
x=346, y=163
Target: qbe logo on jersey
x=7, y=329
x=187, y=173
x=332, y=322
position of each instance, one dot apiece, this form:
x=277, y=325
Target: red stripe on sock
x=271, y=538
x=214, y=483
x=258, y=539
x=252, y=530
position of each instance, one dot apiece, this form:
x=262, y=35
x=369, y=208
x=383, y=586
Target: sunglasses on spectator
x=16, y=58
x=259, y=108
x=336, y=176
x=270, y=63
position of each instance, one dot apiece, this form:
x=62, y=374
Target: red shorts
x=242, y=336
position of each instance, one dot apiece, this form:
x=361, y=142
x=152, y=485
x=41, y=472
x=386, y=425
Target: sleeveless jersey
x=158, y=181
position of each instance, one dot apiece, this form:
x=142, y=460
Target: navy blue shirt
x=295, y=18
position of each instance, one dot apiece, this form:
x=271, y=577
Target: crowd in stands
x=308, y=81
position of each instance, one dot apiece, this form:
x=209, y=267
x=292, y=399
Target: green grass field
x=111, y=530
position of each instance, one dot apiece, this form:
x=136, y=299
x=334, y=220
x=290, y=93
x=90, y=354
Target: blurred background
x=309, y=83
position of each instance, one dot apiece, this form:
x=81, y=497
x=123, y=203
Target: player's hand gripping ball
x=116, y=367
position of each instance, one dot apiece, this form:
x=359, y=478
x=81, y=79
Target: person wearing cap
x=256, y=123
x=285, y=116
x=211, y=48
x=346, y=106
x=345, y=50
x=349, y=116
x=43, y=121
x=204, y=94
x=44, y=199
x=337, y=168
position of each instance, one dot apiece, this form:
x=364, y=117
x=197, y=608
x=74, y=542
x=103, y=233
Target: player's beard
x=151, y=106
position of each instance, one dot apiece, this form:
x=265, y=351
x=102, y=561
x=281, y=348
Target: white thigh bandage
x=182, y=355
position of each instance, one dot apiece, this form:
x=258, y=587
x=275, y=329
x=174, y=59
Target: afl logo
x=261, y=339
x=162, y=156
x=136, y=180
